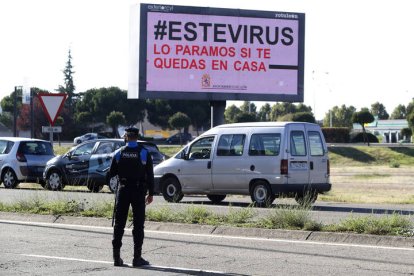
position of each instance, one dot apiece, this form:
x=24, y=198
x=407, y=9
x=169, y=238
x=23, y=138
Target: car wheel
x=216, y=198
x=94, y=187
x=306, y=199
x=9, y=179
x=113, y=184
x=261, y=194
x=54, y=181
x=171, y=190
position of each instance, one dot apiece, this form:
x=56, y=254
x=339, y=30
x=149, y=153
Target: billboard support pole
x=217, y=112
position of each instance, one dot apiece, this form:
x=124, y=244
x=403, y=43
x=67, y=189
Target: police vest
x=131, y=165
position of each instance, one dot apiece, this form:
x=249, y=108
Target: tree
x=115, y=119
x=69, y=87
x=298, y=117
x=280, y=109
x=363, y=117
x=410, y=107
x=340, y=116
x=231, y=113
x=400, y=112
x=243, y=117
x=406, y=133
x=410, y=119
x=101, y=102
x=264, y=113
x=378, y=109
x=248, y=107
x=178, y=121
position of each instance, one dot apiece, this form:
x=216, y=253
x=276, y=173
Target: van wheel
x=9, y=179
x=261, y=194
x=306, y=199
x=216, y=198
x=54, y=181
x=171, y=190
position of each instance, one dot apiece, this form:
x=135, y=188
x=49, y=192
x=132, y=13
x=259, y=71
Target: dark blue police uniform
x=133, y=165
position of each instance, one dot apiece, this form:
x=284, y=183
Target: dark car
x=175, y=138
x=88, y=164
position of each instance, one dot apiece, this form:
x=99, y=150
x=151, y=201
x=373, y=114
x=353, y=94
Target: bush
x=359, y=138
x=336, y=134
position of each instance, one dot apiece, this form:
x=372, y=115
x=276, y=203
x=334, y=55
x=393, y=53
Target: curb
x=299, y=235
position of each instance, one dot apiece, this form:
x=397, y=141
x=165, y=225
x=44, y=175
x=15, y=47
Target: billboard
x=220, y=54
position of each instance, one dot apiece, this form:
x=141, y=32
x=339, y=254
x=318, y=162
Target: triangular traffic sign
x=52, y=104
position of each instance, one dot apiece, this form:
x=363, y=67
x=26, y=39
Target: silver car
x=23, y=160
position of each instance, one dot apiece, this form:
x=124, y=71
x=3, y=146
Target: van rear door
x=318, y=156
x=298, y=156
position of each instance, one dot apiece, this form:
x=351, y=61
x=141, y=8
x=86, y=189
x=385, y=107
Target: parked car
x=175, y=138
x=88, y=164
x=86, y=137
x=23, y=160
x=264, y=160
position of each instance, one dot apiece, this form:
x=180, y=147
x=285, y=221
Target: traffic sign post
x=51, y=104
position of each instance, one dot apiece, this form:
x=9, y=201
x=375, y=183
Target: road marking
x=57, y=225
x=176, y=269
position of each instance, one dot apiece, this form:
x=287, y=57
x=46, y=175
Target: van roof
x=260, y=124
x=255, y=124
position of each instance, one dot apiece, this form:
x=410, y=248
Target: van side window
x=297, y=143
x=315, y=143
x=231, y=145
x=266, y=144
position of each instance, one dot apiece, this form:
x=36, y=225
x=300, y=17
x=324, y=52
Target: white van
x=263, y=160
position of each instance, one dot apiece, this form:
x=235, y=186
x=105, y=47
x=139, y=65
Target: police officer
x=133, y=165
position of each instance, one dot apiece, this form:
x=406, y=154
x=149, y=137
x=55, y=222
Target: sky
x=356, y=52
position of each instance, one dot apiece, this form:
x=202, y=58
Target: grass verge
x=288, y=217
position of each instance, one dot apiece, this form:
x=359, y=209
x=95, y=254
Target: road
x=50, y=249
x=324, y=212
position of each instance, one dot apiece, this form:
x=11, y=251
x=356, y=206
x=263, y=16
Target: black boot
x=138, y=260
x=117, y=257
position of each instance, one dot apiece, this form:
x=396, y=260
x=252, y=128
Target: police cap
x=132, y=131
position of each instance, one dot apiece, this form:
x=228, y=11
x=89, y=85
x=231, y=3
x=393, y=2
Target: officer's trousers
x=134, y=195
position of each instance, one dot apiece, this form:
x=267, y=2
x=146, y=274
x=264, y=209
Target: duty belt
x=123, y=182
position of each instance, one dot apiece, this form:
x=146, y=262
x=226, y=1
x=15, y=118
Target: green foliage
x=179, y=120
x=336, y=134
x=378, y=109
x=231, y=113
x=400, y=112
x=385, y=225
x=101, y=102
x=291, y=217
x=243, y=117
x=341, y=116
x=248, y=107
x=359, y=138
x=115, y=119
x=6, y=118
x=298, y=117
x=264, y=113
x=360, y=155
